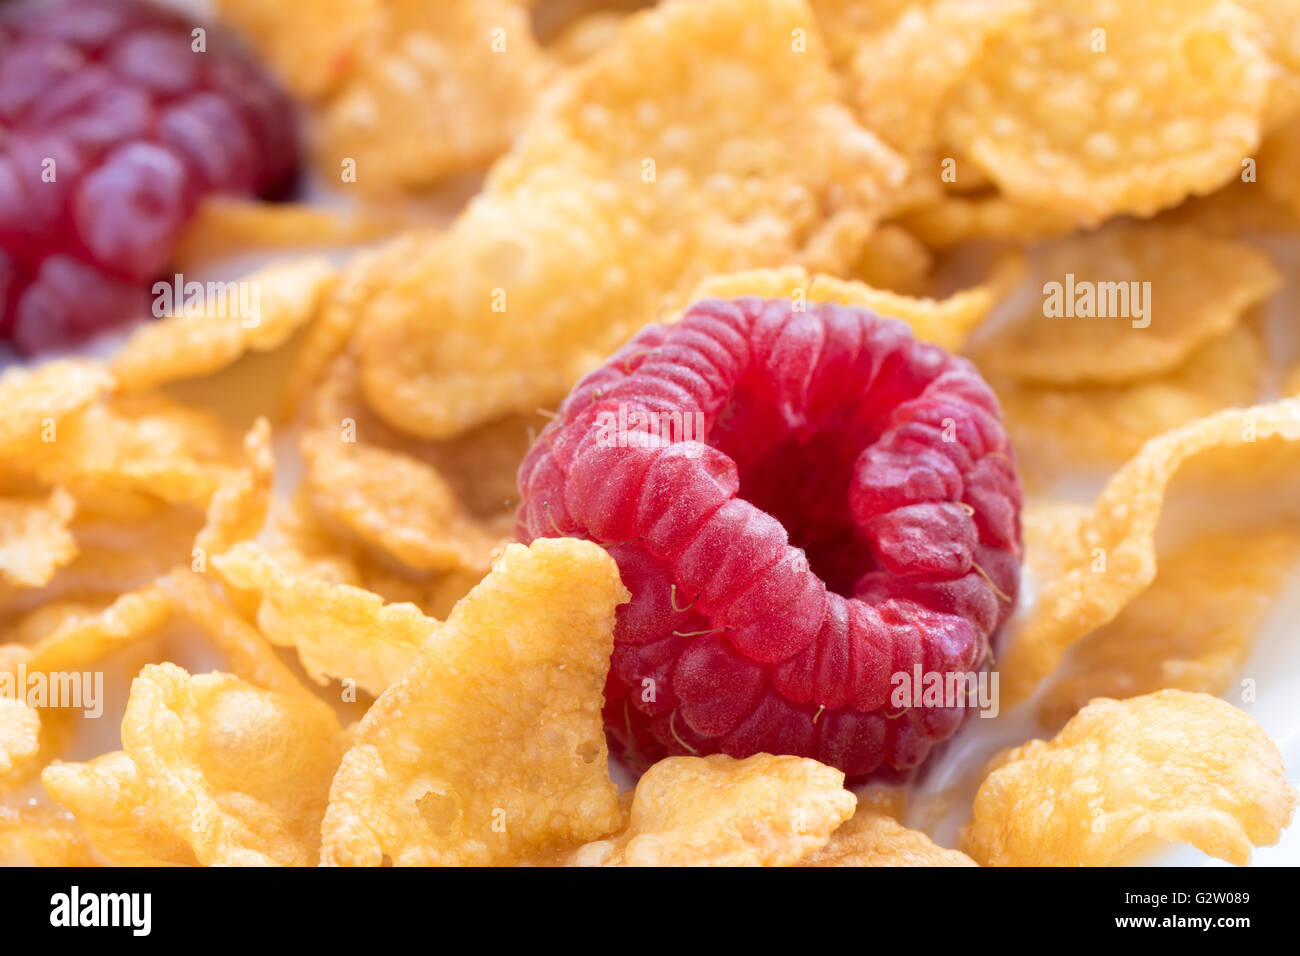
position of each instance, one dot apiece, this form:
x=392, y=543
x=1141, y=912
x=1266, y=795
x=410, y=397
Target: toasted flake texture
x=1190, y=630
x=247, y=652
x=1099, y=108
x=227, y=226
x=491, y=749
x=78, y=640
x=339, y=630
x=1107, y=424
x=34, y=537
x=238, y=509
x=1192, y=288
x=20, y=732
x=1170, y=766
x=945, y=220
x=895, y=259
x=764, y=810
x=43, y=836
x=946, y=322
x=139, y=444
x=393, y=503
x=1120, y=529
x=281, y=299
x=31, y=398
x=612, y=204
x=111, y=804
x=872, y=838
x=239, y=773
x=437, y=88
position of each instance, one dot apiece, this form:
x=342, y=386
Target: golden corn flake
x=1109, y=558
x=34, y=537
x=1105, y=424
x=718, y=811
x=946, y=322
x=241, y=774
x=492, y=748
x=112, y=807
x=205, y=331
x=946, y=220
x=872, y=838
x=228, y=226
x=339, y=630
x=393, y=504
x=1122, y=775
x=479, y=465
x=438, y=88
x=81, y=639
x=247, y=653
x=617, y=199
x=43, y=836
x=1097, y=108
x=327, y=336
x=20, y=732
x=36, y=401
x=1190, y=630
x=894, y=259
x=238, y=509
x=1127, y=302
x=899, y=77
x=139, y=444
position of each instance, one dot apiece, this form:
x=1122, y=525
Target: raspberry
x=139, y=127
x=849, y=510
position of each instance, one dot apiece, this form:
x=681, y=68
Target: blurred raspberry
x=844, y=510
x=112, y=129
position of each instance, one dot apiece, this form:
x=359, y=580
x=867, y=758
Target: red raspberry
x=140, y=127
x=849, y=510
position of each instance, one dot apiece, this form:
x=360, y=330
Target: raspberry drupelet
x=848, y=511
x=112, y=128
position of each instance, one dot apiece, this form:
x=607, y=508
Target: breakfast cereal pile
x=797, y=390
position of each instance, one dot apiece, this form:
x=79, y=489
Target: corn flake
x=1108, y=558
x=1122, y=775
x=437, y=89
x=111, y=805
x=241, y=774
x=20, y=732
x=764, y=810
x=1131, y=301
x=872, y=838
x=393, y=504
x=1094, y=109
x=1217, y=588
x=339, y=630
x=612, y=202
x=492, y=748
x=183, y=345
x=1107, y=424
x=946, y=322
x=43, y=836
x=35, y=401
x=34, y=538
